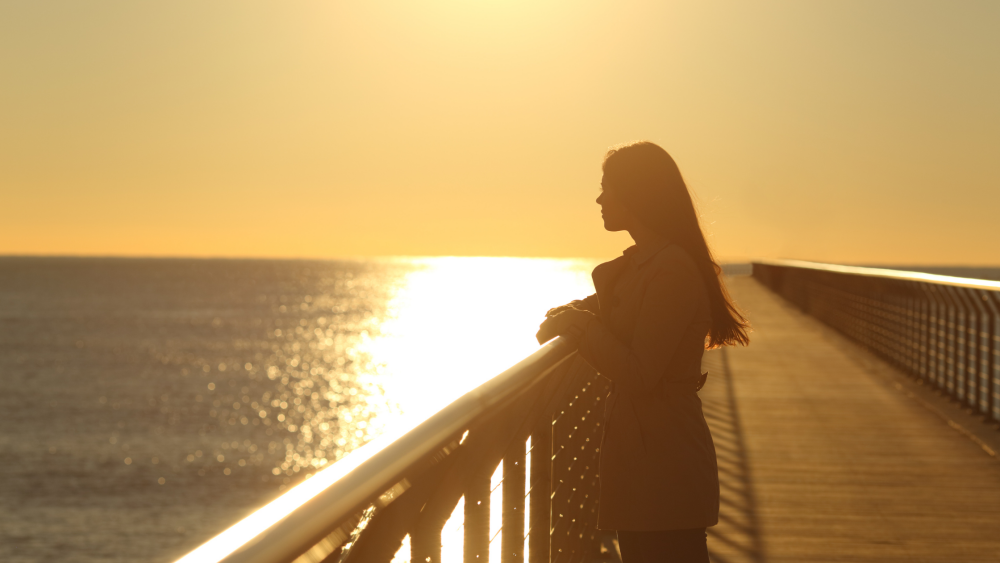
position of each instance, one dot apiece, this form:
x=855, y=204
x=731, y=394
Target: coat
x=658, y=467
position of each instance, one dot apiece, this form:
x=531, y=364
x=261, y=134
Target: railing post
x=512, y=541
x=981, y=349
x=914, y=308
x=952, y=347
x=973, y=316
x=939, y=329
x=913, y=330
x=993, y=304
x=958, y=320
x=540, y=497
x=925, y=339
x=477, y=519
x=425, y=539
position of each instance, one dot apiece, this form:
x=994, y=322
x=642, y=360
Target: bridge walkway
x=828, y=454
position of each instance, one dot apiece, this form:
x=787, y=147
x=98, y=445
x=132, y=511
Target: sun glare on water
x=456, y=322
x=449, y=325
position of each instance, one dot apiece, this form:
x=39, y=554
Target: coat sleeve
x=669, y=306
x=589, y=303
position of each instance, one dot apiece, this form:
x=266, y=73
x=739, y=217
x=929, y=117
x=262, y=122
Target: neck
x=644, y=236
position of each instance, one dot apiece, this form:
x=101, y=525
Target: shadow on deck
x=737, y=537
x=827, y=454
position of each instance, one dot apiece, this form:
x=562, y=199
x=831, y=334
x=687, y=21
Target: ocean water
x=146, y=405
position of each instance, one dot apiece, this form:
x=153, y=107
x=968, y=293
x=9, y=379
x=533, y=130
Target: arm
x=564, y=321
x=589, y=303
x=671, y=301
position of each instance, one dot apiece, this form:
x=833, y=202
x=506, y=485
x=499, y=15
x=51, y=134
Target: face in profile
x=616, y=216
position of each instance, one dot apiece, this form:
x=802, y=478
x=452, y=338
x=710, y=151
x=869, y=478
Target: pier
x=860, y=425
x=828, y=453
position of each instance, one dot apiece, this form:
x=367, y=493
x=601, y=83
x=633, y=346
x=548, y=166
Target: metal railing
x=361, y=508
x=943, y=330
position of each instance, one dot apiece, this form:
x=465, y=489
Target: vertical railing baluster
x=951, y=347
x=924, y=348
x=540, y=497
x=961, y=318
x=477, y=519
x=913, y=315
x=425, y=541
x=982, y=351
x=913, y=336
x=937, y=330
x=993, y=303
x=512, y=538
x=940, y=339
x=973, y=317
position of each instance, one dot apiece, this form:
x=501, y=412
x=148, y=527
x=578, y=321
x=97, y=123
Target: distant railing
x=941, y=329
x=361, y=508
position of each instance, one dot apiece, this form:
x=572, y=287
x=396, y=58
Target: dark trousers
x=664, y=546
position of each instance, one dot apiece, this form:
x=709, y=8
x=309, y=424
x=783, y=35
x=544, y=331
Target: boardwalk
x=824, y=456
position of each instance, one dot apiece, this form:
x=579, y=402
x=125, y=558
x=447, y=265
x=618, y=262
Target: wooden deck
x=826, y=454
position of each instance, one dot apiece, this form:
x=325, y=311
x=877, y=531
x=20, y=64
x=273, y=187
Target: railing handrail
x=942, y=330
x=298, y=519
x=886, y=273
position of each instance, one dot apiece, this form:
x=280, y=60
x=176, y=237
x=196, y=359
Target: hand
x=561, y=322
x=556, y=310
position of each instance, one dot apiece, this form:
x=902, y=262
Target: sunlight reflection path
x=455, y=323
x=407, y=348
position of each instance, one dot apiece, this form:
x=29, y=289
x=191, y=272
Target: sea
x=148, y=404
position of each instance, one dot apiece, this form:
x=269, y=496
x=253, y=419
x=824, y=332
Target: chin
x=609, y=226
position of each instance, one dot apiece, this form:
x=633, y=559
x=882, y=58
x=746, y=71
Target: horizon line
x=734, y=260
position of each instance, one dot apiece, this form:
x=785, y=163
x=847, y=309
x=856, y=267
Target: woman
x=656, y=310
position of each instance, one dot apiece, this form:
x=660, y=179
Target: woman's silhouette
x=656, y=310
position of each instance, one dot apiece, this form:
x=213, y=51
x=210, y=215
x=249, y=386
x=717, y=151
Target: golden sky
x=864, y=132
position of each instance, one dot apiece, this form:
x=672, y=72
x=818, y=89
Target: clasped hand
x=559, y=320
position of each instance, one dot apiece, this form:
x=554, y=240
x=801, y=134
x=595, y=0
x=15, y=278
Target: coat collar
x=641, y=254
x=607, y=273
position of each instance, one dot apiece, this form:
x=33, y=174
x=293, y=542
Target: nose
x=599, y=198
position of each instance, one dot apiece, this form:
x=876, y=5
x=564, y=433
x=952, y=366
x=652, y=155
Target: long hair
x=648, y=182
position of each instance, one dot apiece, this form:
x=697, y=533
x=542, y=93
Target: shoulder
x=609, y=266
x=674, y=261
